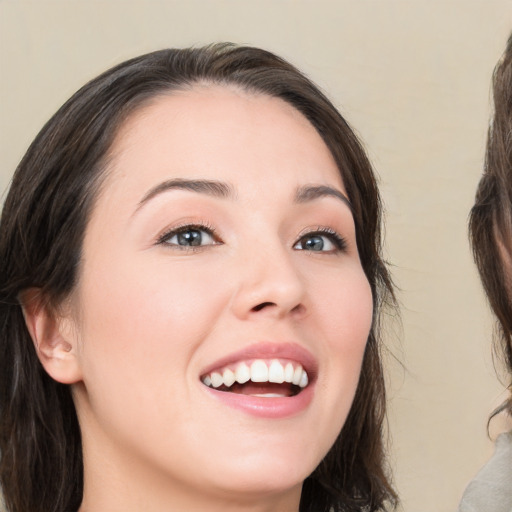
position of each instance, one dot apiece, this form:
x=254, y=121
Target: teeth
x=243, y=373
x=276, y=372
x=269, y=395
x=228, y=377
x=217, y=380
x=303, y=380
x=297, y=375
x=259, y=371
x=288, y=372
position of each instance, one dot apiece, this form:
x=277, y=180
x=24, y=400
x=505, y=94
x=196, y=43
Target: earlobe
x=54, y=339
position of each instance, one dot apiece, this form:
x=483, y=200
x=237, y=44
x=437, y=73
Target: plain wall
x=413, y=78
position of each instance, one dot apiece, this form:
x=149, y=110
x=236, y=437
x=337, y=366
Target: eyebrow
x=223, y=190
x=212, y=188
x=308, y=193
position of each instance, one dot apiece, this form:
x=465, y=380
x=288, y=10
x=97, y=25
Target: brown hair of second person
x=490, y=223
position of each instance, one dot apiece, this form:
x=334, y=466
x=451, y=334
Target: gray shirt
x=491, y=489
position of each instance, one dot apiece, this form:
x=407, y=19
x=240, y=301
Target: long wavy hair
x=41, y=234
x=490, y=222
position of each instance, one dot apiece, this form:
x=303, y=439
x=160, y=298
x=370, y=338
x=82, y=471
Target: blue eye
x=321, y=241
x=189, y=236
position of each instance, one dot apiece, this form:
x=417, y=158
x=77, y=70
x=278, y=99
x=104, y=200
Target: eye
x=189, y=236
x=325, y=240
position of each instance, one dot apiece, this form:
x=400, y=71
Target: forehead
x=223, y=133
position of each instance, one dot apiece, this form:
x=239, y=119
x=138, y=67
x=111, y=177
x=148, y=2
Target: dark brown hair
x=490, y=224
x=41, y=233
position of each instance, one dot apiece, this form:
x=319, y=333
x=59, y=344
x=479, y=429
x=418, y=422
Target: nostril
x=259, y=307
x=299, y=308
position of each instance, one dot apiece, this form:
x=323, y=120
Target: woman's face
x=221, y=247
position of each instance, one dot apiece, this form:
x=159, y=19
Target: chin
x=262, y=483
x=272, y=474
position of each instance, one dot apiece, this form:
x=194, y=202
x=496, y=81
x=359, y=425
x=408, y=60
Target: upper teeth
x=259, y=371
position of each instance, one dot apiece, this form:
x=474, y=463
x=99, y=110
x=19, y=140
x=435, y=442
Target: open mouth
x=270, y=378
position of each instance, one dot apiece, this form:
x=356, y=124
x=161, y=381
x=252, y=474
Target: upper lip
x=269, y=350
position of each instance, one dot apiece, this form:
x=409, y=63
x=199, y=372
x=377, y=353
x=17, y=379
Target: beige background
x=413, y=78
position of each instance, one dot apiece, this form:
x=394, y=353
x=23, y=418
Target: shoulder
x=491, y=489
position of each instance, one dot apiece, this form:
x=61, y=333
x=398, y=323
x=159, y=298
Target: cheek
x=345, y=305
x=345, y=312
x=150, y=319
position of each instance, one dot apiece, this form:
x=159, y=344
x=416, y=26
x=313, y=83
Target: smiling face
x=220, y=255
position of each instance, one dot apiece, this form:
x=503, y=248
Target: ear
x=54, y=337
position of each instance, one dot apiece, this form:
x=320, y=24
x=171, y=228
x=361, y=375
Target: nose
x=269, y=285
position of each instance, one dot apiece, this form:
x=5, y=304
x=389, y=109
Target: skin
x=148, y=316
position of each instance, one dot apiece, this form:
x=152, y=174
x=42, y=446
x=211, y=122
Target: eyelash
x=164, y=238
x=338, y=241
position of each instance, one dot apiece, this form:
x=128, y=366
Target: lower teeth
x=267, y=390
x=269, y=395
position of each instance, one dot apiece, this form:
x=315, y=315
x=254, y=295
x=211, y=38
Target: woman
x=490, y=228
x=190, y=294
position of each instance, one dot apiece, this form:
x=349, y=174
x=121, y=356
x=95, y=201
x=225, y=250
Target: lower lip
x=266, y=407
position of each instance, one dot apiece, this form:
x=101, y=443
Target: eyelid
x=339, y=241
x=169, y=232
